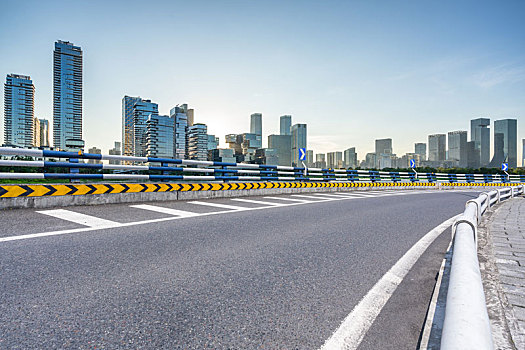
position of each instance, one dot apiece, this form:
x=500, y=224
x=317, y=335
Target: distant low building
x=224, y=155
x=115, y=151
x=94, y=150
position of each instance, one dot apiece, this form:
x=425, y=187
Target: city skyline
x=488, y=84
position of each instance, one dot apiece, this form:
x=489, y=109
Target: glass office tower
x=67, y=96
x=135, y=113
x=298, y=141
x=285, y=125
x=19, y=100
x=509, y=129
x=480, y=134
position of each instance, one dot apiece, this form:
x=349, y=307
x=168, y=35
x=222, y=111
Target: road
x=278, y=273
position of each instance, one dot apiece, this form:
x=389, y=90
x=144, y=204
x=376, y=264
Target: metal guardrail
x=193, y=170
x=466, y=324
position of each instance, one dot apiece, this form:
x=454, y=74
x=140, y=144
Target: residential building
x=509, y=129
x=43, y=132
x=457, y=148
x=299, y=140
x=437, y=148
x=115, y=151
x=350, y=158
x=135, y=113
x=421, y=149
x=286, y=125
x=480, y=134
x=282, y=144
x=67, y=96
x=94, y=150
x=179, y=113
x=198, y=142
x=19, y=101
x=160, y=132
x=334, y=160
x=320, y=160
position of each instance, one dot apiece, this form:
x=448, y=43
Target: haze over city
x=352, y=71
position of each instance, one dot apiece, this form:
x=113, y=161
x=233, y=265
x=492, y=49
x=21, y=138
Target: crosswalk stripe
x=219, y=205
x=257, y=202
x=164, y=210
x=289, y=199
x=78, y=218
x=311, y=197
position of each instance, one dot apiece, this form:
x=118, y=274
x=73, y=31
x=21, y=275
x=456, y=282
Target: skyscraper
x=256, y=124
x=383, y=150
x=509, y=129
x=41, y=133
x=334, y=160
x=299, y=140
x=198, y=142
x=457, y=147
x=480, y=134
x=282, y=144
x=350, y=158
x=181, y=131
x=135, y=113
x=160, y=133
x=285, y=124
x=421, y=149
x=19, y=100
x=437, y=147
x=67, y=96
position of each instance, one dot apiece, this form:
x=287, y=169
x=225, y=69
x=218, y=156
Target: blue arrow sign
x=302, y=153
x=412, y=163
x=505, y=166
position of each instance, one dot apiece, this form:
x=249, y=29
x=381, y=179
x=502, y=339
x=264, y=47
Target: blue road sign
x=504, y=166
x=412, y=163
x=302, y=153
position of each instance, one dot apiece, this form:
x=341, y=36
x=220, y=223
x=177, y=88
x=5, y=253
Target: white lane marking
x=289, y=199
x=78, y=218
x=319, y=199
x=354, y=327
x=321, y=195
x=219, y=205
x=152, y=221
x=336, y=195
x=258, y=202
x=164, y=210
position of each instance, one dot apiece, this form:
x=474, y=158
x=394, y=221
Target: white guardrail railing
x=466, y=324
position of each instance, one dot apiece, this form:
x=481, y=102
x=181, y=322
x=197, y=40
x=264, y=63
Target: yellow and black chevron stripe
x=490, y=184
x=41, y=190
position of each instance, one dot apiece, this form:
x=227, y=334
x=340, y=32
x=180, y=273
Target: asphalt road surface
x=278, y=273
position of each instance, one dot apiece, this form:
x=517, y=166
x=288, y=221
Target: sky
x=353, y=71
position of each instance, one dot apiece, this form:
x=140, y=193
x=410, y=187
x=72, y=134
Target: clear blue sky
x=353, y=71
